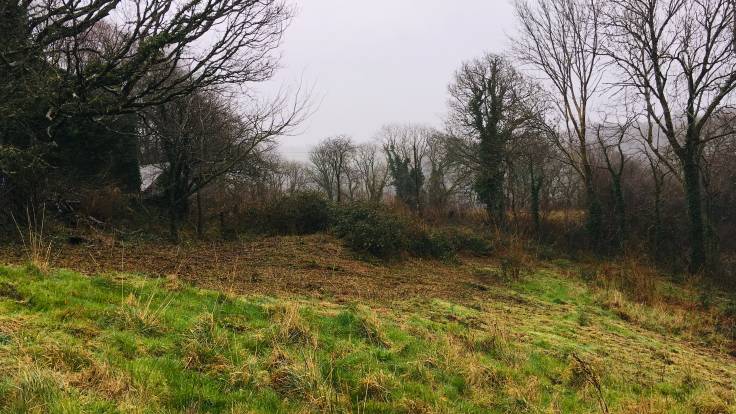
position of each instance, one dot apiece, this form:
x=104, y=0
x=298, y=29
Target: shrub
x=513, y=267
x=376, y=230
x=638, y=282
x=372, y=229
x=464, y=240
x=435, y=244
x=298, y=213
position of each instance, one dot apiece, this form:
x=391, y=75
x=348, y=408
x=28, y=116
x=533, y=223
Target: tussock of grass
x=78, y=344
x=141, y=316
x=290, y=327
x=492, y=342
x=370, y=328
x=377, y=385
x=204, y=346
x=102, y=378
x=36, y=246
x=36, y=389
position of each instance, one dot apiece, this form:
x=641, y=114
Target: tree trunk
x=501, y=203
x=620, y=212
x=172, y=193
x=173, y=222
x=691, y=172
x=200, y=217
x=223, y=227
x=594, y=214
x=339, y=189
x=657, y=242
x=417, y=183
x=594, y=217
x=536, y=187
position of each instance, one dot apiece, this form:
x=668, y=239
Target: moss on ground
x=544, y=343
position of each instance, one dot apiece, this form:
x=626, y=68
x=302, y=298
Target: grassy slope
x=123, y=343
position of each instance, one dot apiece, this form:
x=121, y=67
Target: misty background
x=384, y=61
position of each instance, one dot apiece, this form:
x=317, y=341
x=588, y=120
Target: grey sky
x=383, y=61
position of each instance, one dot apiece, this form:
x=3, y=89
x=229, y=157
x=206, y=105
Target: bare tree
x=561, y=39
x=120, y=56
x=330, y=161
x=321, y=171
x=536, y=158
x=611, y=138
x=372, y=170
x=444, y=179
x=678, y=56
x=200, y=138
x=353, y=187
x=660, y=173
x=295, y=176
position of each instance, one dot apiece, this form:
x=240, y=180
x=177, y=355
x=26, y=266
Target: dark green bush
x=298, y=213
x=367, y=228
x=372, y=229
x=434, y=244
x=364, y=227
x=466, y=241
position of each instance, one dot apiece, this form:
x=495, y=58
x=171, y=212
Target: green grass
x=123, y=343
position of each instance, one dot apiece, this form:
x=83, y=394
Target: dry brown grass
x=377, y=385
x=639, y=294
x=141, y=315
x=36, y=245
x=300, y=377
x=639, y=281
x=99, y=377
x=370, y=327
x=290, y=327
x=104, y=203
x=203, y=346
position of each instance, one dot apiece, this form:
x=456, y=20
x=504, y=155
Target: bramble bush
x=365, y=228
x=466, y=241
x=376, y=230
x=298, y=213
x=372, y=229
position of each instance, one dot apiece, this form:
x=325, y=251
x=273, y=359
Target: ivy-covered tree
x=406, y=150
x=490, y=103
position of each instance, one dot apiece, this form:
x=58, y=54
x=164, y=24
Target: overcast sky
x=383, y=61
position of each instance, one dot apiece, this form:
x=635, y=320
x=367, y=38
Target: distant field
x=542, y=342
